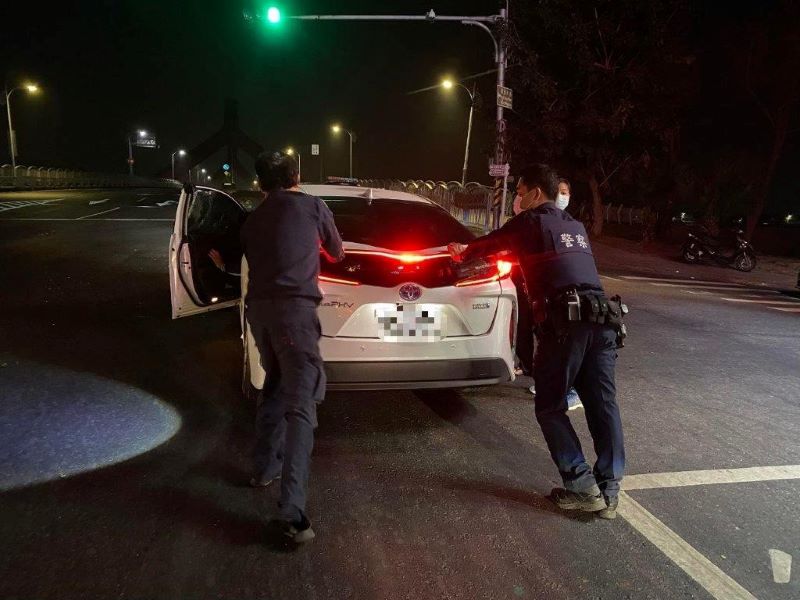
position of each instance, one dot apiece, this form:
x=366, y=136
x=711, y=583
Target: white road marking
x=750, y=301
x=790, y=310
x=695, y=565
x=697, y=292
x=100, y=213
x=611, y=278
x=667, y=279
x=91, y=202
x=718, y=287
x=781, y=566
x=649, y=481
x=13, y=204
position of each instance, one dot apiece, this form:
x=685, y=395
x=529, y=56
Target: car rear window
x=395, y=224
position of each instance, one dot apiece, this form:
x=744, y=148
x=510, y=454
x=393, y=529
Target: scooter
x=699, y=248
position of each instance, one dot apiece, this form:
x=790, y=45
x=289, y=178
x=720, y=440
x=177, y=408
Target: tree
x=600, y=87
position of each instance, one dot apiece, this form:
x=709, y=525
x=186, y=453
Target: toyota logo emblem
x=410, y=292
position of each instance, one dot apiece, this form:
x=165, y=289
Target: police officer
x=575, y=342
x=282, y=240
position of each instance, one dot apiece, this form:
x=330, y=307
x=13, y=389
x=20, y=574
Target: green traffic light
x=273, y=14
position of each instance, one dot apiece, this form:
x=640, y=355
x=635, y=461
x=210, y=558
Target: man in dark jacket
x=282, y=240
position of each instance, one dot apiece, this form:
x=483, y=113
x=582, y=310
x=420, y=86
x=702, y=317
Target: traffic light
x=273, y=15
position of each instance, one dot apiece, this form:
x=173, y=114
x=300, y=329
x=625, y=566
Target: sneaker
x=532, y=390
x=591, y=501
x=573, y=400
x=610, y=511
x=262, y=481
x=298, y=532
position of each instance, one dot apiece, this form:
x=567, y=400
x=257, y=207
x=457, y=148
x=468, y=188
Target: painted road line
x=73, y=220
x=695, y=565
x=698, y=292
x=726, y=288
x=667, y=279
x=611, y=278
x=773, y=302
x=14, y=204
x=91, y=202
x=781, y=566
x=789, y=310
x=100, y=213
x=649, y=481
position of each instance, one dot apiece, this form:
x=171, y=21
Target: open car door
x=206, y=219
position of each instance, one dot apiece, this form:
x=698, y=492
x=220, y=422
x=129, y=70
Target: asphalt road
x=124, y=445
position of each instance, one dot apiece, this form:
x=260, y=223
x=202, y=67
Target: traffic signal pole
x=497, y=204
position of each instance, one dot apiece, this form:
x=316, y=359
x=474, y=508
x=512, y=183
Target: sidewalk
x=618, y=255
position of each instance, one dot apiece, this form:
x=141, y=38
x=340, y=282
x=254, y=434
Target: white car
x=397, y=313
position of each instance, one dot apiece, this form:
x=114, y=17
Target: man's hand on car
x=456, y=250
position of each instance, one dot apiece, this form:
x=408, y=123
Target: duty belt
x=588, y=307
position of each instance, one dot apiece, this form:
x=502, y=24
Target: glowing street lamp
x=31, y=88
x=292, y=152
x=179, y=153
x=336, y=128
x=449, y=84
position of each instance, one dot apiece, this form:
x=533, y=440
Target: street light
x=292, y=152
x=142, y=134
x=336, y=128
x=31, y=88
x=179, y=153
x=449, y=84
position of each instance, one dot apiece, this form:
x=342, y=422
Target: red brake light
x=496, y=271
x=402, y=257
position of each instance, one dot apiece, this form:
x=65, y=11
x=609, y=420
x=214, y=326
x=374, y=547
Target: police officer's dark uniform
x=281, y=240
x=559, y=270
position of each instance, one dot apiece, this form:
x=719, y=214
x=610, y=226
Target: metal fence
x=40, y=178
x=470, y=203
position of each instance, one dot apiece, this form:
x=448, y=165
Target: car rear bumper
x=412, y=374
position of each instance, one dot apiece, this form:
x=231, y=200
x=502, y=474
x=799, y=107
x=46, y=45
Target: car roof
x=347, y=191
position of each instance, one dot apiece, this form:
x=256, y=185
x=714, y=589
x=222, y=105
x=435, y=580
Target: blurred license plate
x=410, y=323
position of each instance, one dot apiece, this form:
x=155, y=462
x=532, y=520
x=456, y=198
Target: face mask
x=562, y=201
x=517, y=208
x=528, y=199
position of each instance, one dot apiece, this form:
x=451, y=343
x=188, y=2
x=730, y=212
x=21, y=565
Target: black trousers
x=287, y=333
x=584, y=359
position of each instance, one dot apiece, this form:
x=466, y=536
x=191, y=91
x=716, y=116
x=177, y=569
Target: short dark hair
x=566, y=181
x=276, y=170
x=541, y=176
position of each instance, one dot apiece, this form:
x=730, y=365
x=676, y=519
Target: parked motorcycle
x=699, y=248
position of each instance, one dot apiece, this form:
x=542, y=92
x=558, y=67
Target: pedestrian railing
x=470, y=203
x=33, y=178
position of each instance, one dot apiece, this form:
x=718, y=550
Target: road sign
x=499, y=170
x=226, y=167
x=148, y=141
x=315, y=149
x=505, y=97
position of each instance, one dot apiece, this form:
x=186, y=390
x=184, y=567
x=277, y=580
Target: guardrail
x=39, y=178
x=470, y=203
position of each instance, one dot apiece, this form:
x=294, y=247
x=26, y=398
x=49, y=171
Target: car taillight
x=484, y=271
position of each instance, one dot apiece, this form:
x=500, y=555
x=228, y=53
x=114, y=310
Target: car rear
x=399, y=313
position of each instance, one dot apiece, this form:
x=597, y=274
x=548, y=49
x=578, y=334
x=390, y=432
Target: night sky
x=107, y=68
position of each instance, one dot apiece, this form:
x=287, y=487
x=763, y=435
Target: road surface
x=124, y=445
